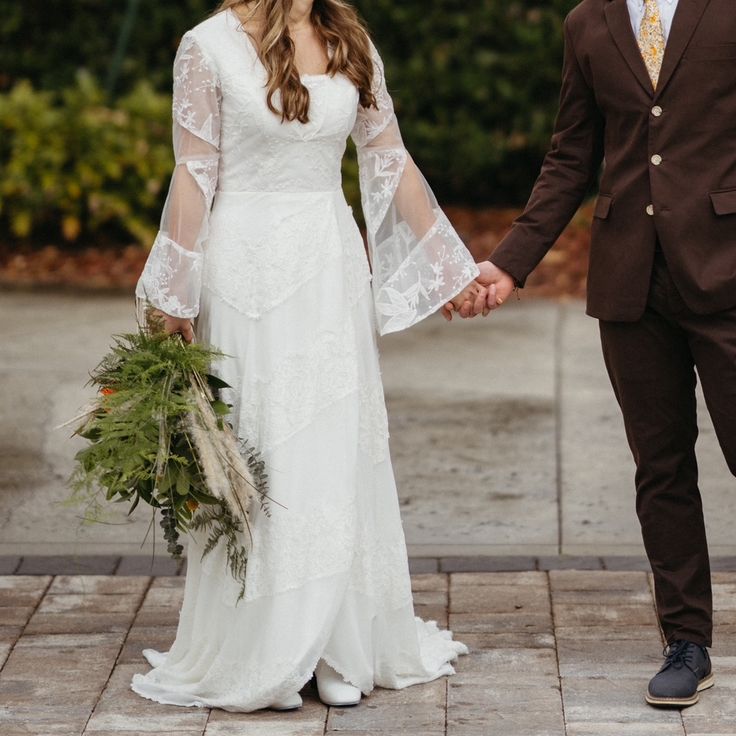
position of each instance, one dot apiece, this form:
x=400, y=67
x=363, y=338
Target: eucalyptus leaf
x=182, y=484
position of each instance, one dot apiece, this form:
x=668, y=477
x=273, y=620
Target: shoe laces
x=680, y=654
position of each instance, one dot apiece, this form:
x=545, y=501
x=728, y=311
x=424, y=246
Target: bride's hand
x=176, y=325
x=475, y=293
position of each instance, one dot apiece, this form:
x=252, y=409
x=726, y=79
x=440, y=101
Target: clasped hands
x=488, y=292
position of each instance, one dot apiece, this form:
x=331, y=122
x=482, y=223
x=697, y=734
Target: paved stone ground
x=560, y=653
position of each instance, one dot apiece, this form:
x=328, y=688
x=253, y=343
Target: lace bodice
x=227, y=140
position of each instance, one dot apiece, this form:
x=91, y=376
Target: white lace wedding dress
x=258, y=243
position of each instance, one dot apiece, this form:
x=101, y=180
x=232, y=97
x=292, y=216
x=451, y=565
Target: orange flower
x=107, y=391
x=192, y=505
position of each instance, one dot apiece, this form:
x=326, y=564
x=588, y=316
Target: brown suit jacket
x=669, y=160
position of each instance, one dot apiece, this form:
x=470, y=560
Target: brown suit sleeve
x=569, y=169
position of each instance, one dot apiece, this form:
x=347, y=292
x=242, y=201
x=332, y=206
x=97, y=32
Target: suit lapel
x=619, y=24
x=687, y=17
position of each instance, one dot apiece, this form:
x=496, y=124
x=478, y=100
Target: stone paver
x=68, y=565
x=160, y=566
x=138, y=565
x=486, y=564
x=559, y=653
x=570, y=562
x=9, y=564
x=308, y=721
x=59, y=665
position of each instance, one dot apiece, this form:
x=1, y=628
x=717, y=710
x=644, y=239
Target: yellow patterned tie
x=651, y=40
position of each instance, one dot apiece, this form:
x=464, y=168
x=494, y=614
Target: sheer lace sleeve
x=418, y=260
x=171, y=278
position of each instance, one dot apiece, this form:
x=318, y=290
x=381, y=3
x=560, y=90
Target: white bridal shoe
x=332, y=689
x=291, y=703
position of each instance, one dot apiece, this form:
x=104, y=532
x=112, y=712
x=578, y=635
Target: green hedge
x=48, y=41
x=72, y=168
x=475, y=85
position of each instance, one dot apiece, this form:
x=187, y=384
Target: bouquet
x=157, y=433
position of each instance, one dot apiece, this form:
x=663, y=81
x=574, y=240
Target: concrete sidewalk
x=563, y=653
x=505, y=435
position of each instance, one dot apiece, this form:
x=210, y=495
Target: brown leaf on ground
x=89, y=269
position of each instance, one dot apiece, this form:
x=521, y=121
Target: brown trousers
x=652, y=365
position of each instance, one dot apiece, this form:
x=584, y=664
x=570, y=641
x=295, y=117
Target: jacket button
x=656, y=159
x=657, y=111
x=650, y=210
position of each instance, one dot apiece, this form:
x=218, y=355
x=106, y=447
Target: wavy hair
x=337, y=25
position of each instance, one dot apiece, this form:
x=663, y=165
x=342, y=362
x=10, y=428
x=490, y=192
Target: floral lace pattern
x=419, y=261
x=370, y=126
x=265, y=248
x=434, y=271
x=373, y=422
x=226, y=137
x=204, y=172
x=171, y=277
x=195, y=89
x=281, y=564
x=380, y=174
x=299, y=387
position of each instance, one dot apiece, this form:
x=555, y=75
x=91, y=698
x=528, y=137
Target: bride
x=259, y=252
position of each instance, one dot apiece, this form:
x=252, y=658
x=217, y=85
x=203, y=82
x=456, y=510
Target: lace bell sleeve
x=418, y=260
x=172, y=276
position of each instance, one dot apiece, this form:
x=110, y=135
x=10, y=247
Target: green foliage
x=139, y=449
x=476, y=87
x=74, y=169
x=221, y=525
x=49, y=42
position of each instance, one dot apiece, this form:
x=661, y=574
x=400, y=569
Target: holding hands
x=488, y=292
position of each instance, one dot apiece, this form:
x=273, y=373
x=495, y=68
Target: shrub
x=73, y=168
x=49, y=42
x=476, y=87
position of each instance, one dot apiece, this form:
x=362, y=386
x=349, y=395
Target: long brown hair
x=338, y=26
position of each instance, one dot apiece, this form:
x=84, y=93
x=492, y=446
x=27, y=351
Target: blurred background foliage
x=73, y=166
x=475, y=85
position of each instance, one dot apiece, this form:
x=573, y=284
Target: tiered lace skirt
x=289, y=302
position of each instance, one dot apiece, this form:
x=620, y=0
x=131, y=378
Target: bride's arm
x=171, y=278
x=419, y=262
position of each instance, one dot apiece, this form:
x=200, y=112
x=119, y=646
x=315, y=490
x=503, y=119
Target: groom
x=649, y=87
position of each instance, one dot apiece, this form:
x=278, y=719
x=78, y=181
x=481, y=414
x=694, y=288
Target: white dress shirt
x=666, y=10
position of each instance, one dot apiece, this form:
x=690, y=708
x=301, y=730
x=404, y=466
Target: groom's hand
x=500, y=286
x=493, y=276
